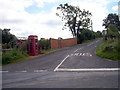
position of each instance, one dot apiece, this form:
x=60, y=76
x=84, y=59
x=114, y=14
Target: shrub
x=45, y=43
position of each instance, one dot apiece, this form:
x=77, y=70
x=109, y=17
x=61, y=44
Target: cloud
x=98, y=10
x=115, y=8
x=41, y=3
x=44, y=24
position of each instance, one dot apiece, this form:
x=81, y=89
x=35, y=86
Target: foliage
x=23, y=46
x=8, y=40
x=112, y=31
x=11, y=56
x=44, y=43
x=112, y=24
x=98, y=34
x=109, y=49
x=112, y=19
x=86, y=35
x=75, y=19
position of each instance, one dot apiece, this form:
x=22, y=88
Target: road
x=71, y=67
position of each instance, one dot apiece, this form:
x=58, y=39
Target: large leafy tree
x=112, y=31
x=111, y=19
x=75, y=19
x=8, y=39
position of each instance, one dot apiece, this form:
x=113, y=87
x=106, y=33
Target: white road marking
x=80, y=48
x=81, y=54
x=90, y=54
x=76, y=50
x=90, y=44
x=76, y=54
x=61, y=63
x=71, y=54
x=90, y=69
x=40, y=70
x=22, y=71
x=4, y=71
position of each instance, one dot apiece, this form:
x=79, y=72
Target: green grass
x=15, y=56
x=49, y=51
x=12, y=56
x=109, y=50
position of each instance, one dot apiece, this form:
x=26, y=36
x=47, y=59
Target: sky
x=38, y=17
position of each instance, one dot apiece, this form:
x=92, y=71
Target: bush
x=86, y=35
x=45, y=43
x=23, y=47
x=11, y=56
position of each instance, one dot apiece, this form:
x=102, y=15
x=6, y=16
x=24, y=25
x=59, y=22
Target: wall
x=55, y=43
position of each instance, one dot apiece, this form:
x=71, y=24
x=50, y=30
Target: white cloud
x=44, y=24
x=115, y=8
x=98, y=11
x=21, y=23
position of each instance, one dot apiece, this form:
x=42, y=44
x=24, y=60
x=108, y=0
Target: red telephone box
x=33, y=45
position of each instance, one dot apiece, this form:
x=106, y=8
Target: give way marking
x=83, y=69
x=89, y=69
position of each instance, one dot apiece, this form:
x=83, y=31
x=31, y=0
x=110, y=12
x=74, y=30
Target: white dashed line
x=4, y=71
x=22, y=71
x=90, y=69
x=40, y=70
x=61, y=63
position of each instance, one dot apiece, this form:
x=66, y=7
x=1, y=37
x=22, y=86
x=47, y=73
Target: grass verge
x=15, y=56
x=49, y=51
x=109, y=50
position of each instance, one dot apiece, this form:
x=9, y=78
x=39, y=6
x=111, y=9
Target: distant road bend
x=71, y=67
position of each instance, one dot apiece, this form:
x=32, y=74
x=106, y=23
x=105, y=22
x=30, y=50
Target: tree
x=98, y=34
x=86, y=35
x=112, y=31
x=44, y=43
x=75, y=19
x=8, y=39
x=111, y=19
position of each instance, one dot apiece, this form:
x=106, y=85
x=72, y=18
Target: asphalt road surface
x=71, y=67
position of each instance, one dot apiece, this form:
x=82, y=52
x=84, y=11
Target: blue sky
x=38, y=17
x=33, y=9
